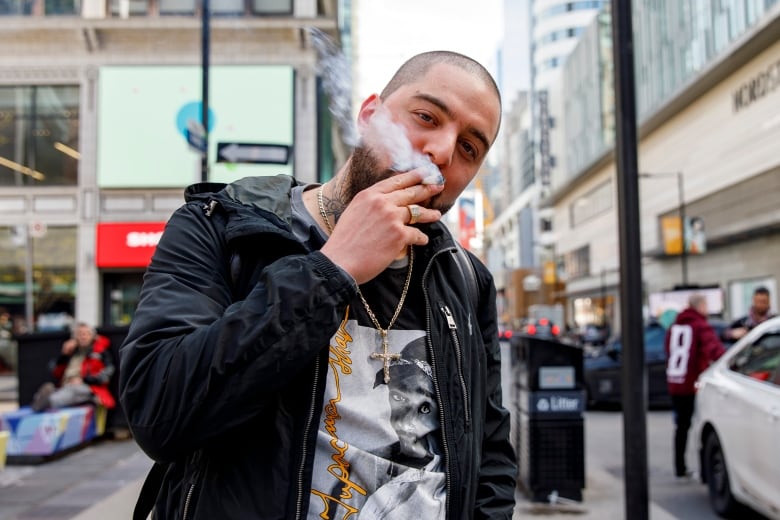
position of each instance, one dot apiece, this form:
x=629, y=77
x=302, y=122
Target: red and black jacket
x=96, y=370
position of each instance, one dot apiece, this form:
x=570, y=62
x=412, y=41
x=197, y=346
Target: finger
x=416, y=214
x=404, y=180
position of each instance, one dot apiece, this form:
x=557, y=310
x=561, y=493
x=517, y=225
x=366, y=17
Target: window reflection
x=39, y=136
x=53, y=272
x=761, y=360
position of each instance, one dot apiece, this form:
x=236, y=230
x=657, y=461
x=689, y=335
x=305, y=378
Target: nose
x=440, y=147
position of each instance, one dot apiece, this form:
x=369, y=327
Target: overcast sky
x=389, y=32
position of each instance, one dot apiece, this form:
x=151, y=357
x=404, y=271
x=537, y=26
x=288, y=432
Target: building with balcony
x=102, y=127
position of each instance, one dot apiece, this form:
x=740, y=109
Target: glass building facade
x=674, y=41
x=39, y=134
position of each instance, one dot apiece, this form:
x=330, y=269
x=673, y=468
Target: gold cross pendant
x=385, y=356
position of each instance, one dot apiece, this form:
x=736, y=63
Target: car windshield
x=761, y=359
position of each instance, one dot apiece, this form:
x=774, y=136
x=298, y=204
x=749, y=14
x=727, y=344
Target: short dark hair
x=418, y=65
x=761, y=290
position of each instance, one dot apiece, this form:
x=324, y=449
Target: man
x=82, y=373
x=759, y=312
x=691, y=346
x=250, y=368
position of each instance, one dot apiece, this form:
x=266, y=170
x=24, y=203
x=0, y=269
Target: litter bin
x=550, y=406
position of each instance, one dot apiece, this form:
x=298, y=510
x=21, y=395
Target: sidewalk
x=602, y=499
x=99, y=481
x=103, y=481
x=8, y=393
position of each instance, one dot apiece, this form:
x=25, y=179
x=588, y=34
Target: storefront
x=123, y=251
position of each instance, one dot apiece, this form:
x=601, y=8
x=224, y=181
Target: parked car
x=736, y=425
x=603, y=366
x=505, y=333
x=594, y=335
x=541, y=328
x=602, y=369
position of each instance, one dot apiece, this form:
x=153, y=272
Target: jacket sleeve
x=712, y=348
x=103, y=376
x=498, y=467
x=196, y=364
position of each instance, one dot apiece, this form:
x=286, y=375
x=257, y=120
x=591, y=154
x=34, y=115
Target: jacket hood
x=252, y=205
x=265, y=193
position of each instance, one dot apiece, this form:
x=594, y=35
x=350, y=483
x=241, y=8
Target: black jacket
x=222, y=373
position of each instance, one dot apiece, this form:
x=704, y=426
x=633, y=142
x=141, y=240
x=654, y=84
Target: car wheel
x=717, y=476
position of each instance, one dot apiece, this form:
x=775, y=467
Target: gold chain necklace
x=385, y=356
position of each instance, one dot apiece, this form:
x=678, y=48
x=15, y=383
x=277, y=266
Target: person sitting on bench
x=82, y=373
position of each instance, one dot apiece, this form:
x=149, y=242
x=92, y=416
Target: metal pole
x=204, y=118
x=29, y=300
x=633, y=379
x=684, y=251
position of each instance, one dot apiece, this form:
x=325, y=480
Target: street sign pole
x=29, y=301
x=633, y=378
x=205, y=32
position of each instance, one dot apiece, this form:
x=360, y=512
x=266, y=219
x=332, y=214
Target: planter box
x=48, y=433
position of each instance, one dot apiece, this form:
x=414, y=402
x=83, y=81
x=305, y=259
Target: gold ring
x=414, y=213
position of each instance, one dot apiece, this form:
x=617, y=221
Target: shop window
x=272, y=7
x=120, y=297
x=126, y=8
x=49, y=260
x=16, y=7
x=39, y=136
x=62, y=7
x=227, y=7
x=181, y=7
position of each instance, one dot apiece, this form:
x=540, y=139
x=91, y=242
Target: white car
x=736, y=425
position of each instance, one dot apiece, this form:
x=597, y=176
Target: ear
x=367, y=110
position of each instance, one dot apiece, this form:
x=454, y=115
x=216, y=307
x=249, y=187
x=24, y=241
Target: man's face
x=448, y=115
x=83, y=336
x=761, y=303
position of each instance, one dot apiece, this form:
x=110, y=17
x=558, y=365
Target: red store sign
x=127, y=244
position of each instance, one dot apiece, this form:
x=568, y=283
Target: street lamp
x=681, y=209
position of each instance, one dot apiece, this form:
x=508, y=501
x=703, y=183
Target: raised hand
x=375, y=227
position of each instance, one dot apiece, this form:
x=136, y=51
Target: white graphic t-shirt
x=378, y=450
x=378, y=453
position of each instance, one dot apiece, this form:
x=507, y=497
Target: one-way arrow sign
x=253, y=153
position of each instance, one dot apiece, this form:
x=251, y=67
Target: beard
x=363, y=168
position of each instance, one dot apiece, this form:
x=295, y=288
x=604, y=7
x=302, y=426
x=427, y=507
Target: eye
x=470, y=150
x=425, y=117
x=424, y=408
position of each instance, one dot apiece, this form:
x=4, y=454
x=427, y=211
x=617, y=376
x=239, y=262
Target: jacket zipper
x=190, y=492
x=208, y=208
x=445, y=444
x=306, y=433
x=459, y=355
x=187, y=501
